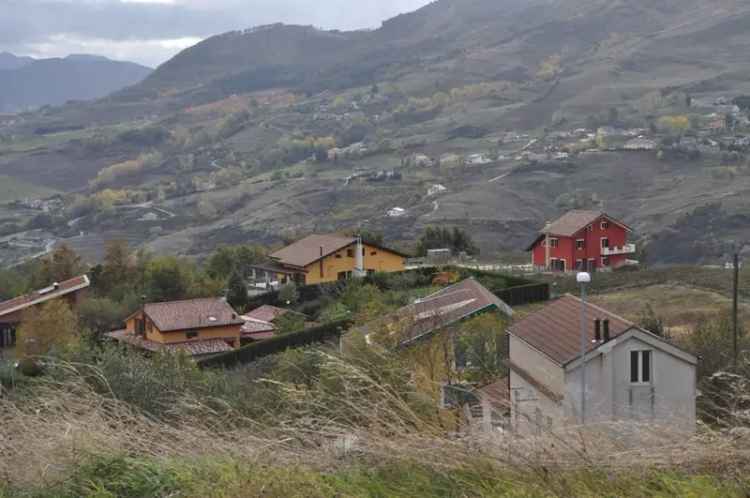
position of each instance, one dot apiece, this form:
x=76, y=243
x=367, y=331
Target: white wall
x=529, y=406
x=670, y=396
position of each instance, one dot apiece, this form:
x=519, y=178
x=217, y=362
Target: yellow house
x=327, y=258
x=196, y=326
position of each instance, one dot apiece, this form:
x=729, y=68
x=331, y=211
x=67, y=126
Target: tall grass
x=327, y=425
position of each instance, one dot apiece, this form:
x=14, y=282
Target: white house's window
x=554, y=242
x=640, y=367
x=605, y=225
x=580, y=244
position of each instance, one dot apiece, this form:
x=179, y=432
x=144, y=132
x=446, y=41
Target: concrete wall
x=376, y=259
x=669, y=396
x=530, y=407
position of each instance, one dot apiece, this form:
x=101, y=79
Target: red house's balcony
x=618, y=251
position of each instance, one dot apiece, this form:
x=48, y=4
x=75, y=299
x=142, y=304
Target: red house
x=582, y=241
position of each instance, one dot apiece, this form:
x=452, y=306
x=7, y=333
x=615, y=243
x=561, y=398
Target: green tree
x=482, y=344
x=288, y=323
x=237, y=293
x=116, y=269
x=289, y=294
x=100, y=315
x=168, y=279
x=651, y=322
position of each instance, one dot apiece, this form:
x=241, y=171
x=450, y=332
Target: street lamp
x=583, y=279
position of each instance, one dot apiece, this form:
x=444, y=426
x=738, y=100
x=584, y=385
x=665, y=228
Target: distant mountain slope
x=10, y=61
x=28, y=83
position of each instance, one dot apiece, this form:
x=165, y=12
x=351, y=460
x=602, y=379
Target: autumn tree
x=62, y=264
x=43, y=330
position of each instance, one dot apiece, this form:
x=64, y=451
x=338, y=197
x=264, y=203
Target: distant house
x=477, y=159
x=12, y=312
x=197, y=327
x=327, y=258
x=422, y=161
x=396, y=212
x=631, y=374
x=260, y=322
x=436, y=189
x=641, y=143
x=582, y=240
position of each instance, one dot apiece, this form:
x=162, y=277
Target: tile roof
x=193, y=348
x=266, y=313
x=573, y=221
x=498, y=393
x=42, y=295
x=555, y=330
x=308, y=250
x=441, y=309
x=191, y=314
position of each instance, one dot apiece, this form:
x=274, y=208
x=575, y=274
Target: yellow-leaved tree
x=44, y=329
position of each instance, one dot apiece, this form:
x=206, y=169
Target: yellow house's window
x=350, y=253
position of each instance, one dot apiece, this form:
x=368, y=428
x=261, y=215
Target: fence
x=279, y=344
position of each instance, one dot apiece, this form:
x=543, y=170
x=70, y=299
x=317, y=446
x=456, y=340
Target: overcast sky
x=151, y=31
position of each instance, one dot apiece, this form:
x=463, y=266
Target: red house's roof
x=573, y=222
x=43, y=295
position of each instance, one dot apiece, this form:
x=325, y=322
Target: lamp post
x=583, y=279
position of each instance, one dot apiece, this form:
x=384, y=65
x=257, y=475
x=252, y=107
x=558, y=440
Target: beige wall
x=379, y=260
x=531, y=409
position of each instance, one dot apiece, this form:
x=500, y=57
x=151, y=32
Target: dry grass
x=44, y=438
x=681, y=307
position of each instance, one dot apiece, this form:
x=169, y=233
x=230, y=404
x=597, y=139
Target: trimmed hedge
x=279, y=344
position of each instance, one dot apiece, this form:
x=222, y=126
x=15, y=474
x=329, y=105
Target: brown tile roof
x=266, y=313
x=43, y=295
x=191, y=314
x=441, y=309
x=193, y=348
x=573, y=221
x=308, y=250
x=555, y=330
x=498, y=393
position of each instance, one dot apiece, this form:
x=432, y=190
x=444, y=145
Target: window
x=579, y=265
x=640, y=367
x=350, y=253
x=374, y=253
x=605, y=261
x=554, y=242
x=338, y=256
x=605, y=225
x=191, y=334
x=580, y=244
x=371, y=272
x=590, y=228
x=344, y=275
x=605, y=243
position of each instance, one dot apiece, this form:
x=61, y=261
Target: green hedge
x=279, y=344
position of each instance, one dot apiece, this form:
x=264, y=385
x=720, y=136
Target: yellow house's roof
x=307, y=251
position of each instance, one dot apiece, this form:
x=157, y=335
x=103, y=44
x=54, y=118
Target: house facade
x=73, y=291
x=630, y=373
x=197, y=327
x=327, y=258
x=582, y=241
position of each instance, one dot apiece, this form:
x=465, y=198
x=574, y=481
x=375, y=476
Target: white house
x=631, y=374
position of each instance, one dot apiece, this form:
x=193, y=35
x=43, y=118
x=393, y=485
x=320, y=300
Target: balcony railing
x=616, y=251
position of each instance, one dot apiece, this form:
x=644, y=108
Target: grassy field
x=681, y=308
x=12, y=189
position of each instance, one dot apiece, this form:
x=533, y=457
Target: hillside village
x=490, y=248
